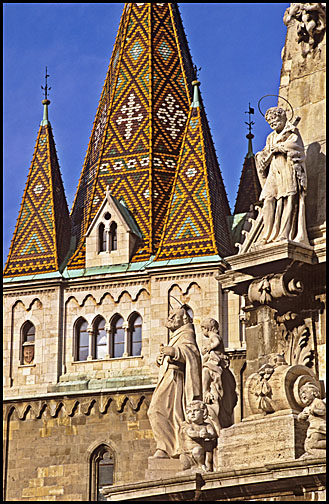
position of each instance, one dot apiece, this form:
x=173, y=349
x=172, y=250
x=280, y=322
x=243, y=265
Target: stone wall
x=55, y=311
x=50, y=442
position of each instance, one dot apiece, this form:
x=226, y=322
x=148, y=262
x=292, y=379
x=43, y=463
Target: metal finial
x=250, y=123
x=196, y=71
x=46, y=88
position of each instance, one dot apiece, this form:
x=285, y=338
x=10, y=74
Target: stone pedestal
x=160, y=468
x=261, y=439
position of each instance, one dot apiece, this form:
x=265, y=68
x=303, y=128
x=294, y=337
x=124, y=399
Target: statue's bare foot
x=160, y=454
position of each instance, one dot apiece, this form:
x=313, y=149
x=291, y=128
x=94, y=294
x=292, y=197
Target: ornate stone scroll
x=274, y=287
x=276, y=386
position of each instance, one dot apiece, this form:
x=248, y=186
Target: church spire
x=42, y=234
x=138, y=131
x=139, y=125
x=197, y=218
x=249, y=186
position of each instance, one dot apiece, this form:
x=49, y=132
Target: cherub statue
x=218, y=383
x=198, y=438
x=213, y=362
x=314, y=413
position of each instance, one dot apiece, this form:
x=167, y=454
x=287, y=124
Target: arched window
x=118, y=336
x=102, y=469
x=100, y=339
x=28, y=340
x=101, y=238
x=135, y=334
x=82, y=339
x=113, y=237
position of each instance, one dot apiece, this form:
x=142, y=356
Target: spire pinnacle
x=45, y=102
x=195, y=102
x=250, y=136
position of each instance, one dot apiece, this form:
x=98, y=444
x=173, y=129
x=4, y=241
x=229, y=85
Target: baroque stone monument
x=184, y=426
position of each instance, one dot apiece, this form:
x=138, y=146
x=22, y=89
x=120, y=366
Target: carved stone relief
x=310, y=23
x=276, y=386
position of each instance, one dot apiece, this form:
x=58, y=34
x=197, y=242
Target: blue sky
x=237, y=45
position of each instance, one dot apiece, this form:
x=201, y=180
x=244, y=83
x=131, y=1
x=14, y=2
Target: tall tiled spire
x=249, y=187
x=197, y=218
x=42, y=234
x=139, y=125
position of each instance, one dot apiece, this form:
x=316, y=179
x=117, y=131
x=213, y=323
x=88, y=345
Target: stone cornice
x=72, y=403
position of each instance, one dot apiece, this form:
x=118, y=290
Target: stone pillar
x=125, y=327
x=109, y=341
x=90, y=330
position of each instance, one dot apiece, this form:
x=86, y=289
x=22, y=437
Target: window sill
x=26, y=365
x=110, y=359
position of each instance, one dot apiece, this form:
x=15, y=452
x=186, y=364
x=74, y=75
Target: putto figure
x=218, y=382
x=314, y=413
x=178, y=385
x=198, y=438
x=282, y=174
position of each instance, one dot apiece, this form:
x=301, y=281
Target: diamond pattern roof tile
x=139, y=125
x=42, y=234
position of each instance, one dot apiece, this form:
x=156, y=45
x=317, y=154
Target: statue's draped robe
x=286, y=176
x=179, y=383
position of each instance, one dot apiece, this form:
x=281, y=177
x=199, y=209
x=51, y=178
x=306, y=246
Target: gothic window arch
x=101, y=471
x=135, y=323
x=99, y=339
x=81, y=339
x=113, y=237
x=117, y=336
x=101, y=238
x=27, y=343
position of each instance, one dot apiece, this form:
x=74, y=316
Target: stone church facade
x=87, y=293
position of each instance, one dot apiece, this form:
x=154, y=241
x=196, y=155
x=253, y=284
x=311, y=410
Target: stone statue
x=178, y=385
x=282, y=174
x=218, y=383
x=198, y=438
x=314, y=413
x=311, y=22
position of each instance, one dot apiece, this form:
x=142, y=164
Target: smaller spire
x=45, y=102
x=195, y=102
x=250, y=136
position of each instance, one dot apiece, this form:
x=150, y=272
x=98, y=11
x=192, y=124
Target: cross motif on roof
x=170, y=113
x=129, y=111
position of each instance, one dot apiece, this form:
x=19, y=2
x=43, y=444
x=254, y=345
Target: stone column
x=109, y=338
x=125, y=327
x=90, y=331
